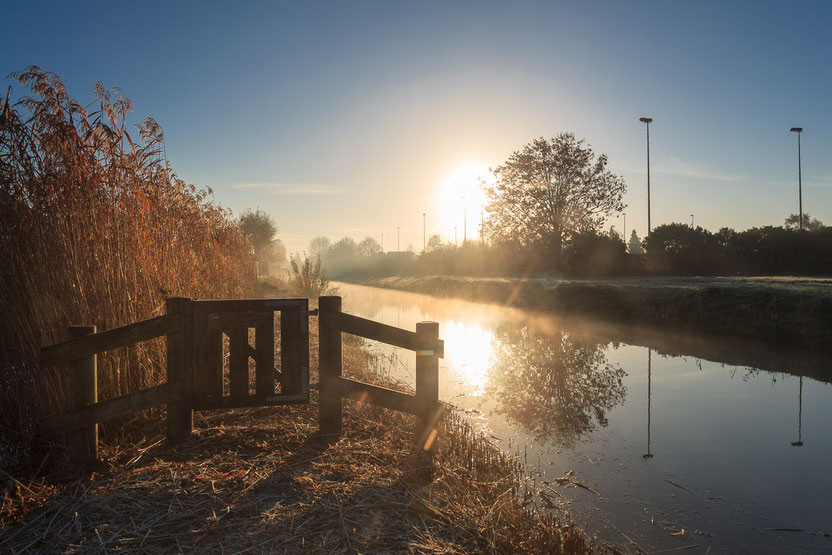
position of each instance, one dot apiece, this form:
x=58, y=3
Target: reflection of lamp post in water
x=648, y=455
x=799, y=442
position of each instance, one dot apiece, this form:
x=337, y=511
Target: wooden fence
x=334, y=387
x=194, y=380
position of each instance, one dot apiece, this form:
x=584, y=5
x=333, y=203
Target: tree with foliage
x=550, y=190
x=318, y=246
x=809, y=223
x=261, y=230
x=369, y=247
x=434, y=243
x=634, y=245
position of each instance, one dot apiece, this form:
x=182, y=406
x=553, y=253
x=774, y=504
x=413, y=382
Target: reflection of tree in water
x=556, y=386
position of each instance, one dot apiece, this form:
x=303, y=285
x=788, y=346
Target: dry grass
x=264, y=480
x=96, y=229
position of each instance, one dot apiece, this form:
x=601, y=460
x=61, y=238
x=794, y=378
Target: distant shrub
x=306, y=277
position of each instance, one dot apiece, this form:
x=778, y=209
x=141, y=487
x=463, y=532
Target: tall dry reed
x=96, y=229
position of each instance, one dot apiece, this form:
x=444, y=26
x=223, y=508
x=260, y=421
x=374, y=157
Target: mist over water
x=637, y=444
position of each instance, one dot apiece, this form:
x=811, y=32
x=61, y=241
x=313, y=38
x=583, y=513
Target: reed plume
x=97, y=229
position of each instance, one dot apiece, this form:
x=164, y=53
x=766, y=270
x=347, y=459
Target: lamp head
x=796, y=129
x=646, y=120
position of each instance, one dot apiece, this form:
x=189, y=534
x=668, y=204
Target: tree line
x=547, y=205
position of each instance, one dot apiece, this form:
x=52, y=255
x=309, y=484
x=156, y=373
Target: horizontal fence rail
x=376, y=395
x=251, y=305
x=87, y=415
x=391, y=335
x=123, y=336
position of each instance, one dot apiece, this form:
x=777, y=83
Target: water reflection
x=649, y=455
x=557, y=386
x=799, y=442
x=469, y=349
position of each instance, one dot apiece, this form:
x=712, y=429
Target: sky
x=356, y=118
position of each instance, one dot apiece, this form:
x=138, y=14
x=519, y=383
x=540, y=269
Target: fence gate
x=201, y=336
x=221, y=332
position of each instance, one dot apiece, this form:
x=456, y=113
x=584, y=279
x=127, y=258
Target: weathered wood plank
x=251, y=305
x=427, y=388
x=82, y=390
x=109, y=339
x=112, y=408
x=253, y=401
x=180, y=415
x=290, y=349
x=202, y=382
x=330, y=406
x=238, y=355
x=214, y=363
x=228, y=320
x=376, y=395
x=386, y=334
x=264, y=354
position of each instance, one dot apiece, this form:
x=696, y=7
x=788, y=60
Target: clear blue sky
x=348, y=117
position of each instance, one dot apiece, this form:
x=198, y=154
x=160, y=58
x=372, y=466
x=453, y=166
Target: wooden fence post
x=180, y=353
x=290, y=343
x=427, y=389
x=330, y=417
x=82, y=390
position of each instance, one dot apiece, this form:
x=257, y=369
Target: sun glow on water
x=469, y=352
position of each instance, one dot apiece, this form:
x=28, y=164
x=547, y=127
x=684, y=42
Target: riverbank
x=264, y=480
x=782, y=311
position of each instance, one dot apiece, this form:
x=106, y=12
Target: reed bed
x=96, y=229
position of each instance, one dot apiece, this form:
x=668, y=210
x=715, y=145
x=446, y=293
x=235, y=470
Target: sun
x=462, y=200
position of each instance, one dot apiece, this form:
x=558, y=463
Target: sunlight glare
x=460, y=193
x=469, y=350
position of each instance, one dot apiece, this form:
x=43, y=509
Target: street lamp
x=691, y=221
x=648, y=121
x=799, y=130
x=398, y=246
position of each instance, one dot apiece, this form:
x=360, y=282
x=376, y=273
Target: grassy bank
x=794, y=312
x=264, y=480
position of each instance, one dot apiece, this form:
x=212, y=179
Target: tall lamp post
x=648, y=121
x=691, y=221
x=398, y=246
x=799, y=130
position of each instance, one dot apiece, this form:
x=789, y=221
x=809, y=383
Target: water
x=670, y=451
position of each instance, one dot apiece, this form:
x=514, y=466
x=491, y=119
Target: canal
x=644, y=441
